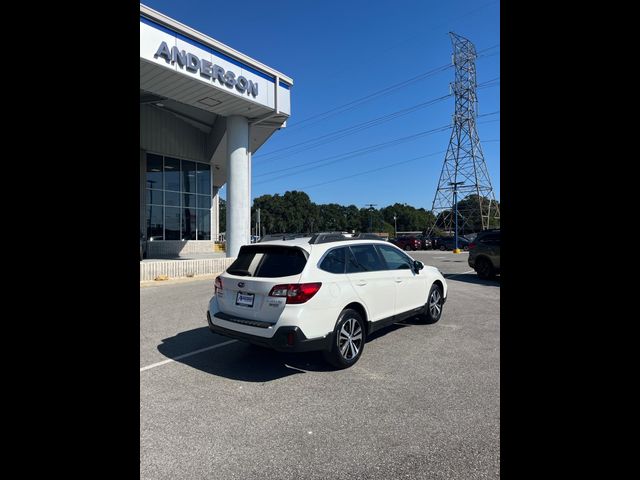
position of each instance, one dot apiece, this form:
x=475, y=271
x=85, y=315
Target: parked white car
x=327, y=292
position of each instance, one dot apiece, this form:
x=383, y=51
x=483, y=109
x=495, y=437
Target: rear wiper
x=237, y=271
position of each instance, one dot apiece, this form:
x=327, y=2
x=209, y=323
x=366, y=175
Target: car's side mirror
x=417, y=266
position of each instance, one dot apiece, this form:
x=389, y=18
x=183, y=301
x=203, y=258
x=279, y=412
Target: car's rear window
x=268, y=261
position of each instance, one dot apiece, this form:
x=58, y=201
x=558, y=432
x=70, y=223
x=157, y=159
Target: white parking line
x=148, y=367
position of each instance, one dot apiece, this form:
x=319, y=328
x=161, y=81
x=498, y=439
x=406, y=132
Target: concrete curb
x=178, y=281
x=183, y=268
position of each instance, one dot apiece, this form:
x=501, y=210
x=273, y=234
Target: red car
x=408, y=243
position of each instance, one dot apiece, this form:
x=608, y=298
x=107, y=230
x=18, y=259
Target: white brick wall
x=183, y=268
x=174, y=248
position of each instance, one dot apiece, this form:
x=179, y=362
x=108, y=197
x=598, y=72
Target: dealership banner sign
x=171, y=49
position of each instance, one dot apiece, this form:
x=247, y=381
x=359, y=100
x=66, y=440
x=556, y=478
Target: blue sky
x=340, y=51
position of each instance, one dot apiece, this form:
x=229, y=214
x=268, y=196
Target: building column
x=238, y=200
x=215, y=214
x=143, y=196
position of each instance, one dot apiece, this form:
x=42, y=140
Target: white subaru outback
x=327, y=292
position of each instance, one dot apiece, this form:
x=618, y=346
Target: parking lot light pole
x=455, y=203
x=371, y=205
x=395, y=226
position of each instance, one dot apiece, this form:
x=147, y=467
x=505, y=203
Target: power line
x=386, y=166
x=354, y=153
x=363, y=150
x=373, y=170
x=385, y=91
x=338, y=134
x=355, y=103
x=341, y=133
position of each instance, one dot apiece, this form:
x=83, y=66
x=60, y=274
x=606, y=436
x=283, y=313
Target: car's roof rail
x=326, y=237
x=280, y=236
x=366, y=236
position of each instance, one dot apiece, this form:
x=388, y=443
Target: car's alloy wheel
x=349, y=340
x=407, y=248
x=434, y=305
x=443, y=248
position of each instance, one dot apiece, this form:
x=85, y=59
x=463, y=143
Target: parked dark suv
x=484, y=254
x=449, y=243
x=408, y=243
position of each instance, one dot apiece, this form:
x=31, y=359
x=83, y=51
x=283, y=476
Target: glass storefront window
x=204, y=201
x=171, y=174
x=178, y=199
x=204, y=179
x=189, y=200
x=172, y=223
x=154, y=171
x=155, y=227
x=188, y=176
x=172, y=199
x=154, y=197
x=188, y=223
x=204, y=225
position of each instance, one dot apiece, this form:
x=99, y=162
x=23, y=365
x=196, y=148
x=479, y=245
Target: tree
x=294, y=212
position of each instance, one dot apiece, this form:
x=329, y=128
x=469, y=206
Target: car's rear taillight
x=296, y=292
x=472, y=245
x=218, y=285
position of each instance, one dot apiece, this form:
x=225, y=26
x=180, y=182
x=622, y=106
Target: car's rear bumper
x=285, y=339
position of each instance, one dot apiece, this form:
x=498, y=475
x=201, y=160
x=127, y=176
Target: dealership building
x=205, y=108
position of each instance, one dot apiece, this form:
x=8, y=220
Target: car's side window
x=364, y=258
x=395, y=259
x=334, y=261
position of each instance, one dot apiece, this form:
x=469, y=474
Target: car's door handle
x=361, y=283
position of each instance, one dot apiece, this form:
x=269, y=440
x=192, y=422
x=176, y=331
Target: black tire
x=443, y=247
x=434, y=305
x=349, y=334
x=484, y=269
x=407, y=248
x=466, y=248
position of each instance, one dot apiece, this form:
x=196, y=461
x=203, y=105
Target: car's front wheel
x=443, y=248
x=433, y=307
x=348, y=340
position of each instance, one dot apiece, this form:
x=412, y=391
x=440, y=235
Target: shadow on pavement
x=246, y=362
x=472, y=278
x=239, y=360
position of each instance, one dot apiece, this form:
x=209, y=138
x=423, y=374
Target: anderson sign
x=207, y=69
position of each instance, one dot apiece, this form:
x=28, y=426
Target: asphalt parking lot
x=423, y=402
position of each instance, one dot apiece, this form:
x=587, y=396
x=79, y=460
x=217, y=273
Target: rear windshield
x=268, y=261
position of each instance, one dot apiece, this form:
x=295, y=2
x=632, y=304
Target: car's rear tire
x=443, y=248
x=484, y=269
x=434, y=305
x=349, y=338
x=407, y=248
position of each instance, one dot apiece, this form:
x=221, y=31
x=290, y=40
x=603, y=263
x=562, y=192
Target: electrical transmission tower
x=464, y=172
